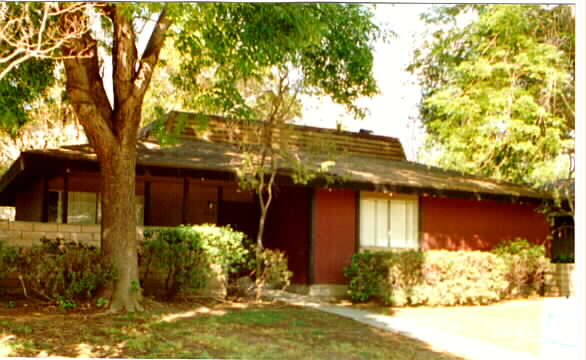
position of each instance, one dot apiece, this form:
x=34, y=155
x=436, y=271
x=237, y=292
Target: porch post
x=219, y=205
x=45, y=205
x=147, y=203
x=357, y=222
x=312, y=223
x=65, y=200
x=185, y=201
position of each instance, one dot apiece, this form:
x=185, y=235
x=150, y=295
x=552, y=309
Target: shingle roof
x=363, y=171
x=222, y=130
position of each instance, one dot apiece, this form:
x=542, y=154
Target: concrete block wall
x=27, y=234
x=560, y=280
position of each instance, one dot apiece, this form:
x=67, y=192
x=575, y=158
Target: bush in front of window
x=434, y=278
x=459, y=278
x=186, y=257
x=366, y=275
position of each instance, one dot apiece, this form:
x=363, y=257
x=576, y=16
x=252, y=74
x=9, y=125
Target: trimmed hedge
x=184, y=255
x=527, y=265
x=443, y=278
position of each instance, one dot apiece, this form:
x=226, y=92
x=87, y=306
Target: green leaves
x=19, y=91
x=329, y=45
x=498, y=93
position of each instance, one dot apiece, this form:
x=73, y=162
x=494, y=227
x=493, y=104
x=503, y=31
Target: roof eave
x=15, y=169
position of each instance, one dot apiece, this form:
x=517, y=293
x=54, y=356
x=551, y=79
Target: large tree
x=498, y=93
x=328, y=44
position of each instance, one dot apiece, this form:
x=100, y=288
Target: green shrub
x=427, y=278
x=366, y=274
x=526, y=265
x=63, y=272
x=8, y=259
x=563, y=259
x=184, y=255
x=275, y=269
x=456, y=278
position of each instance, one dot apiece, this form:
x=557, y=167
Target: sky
x=393, y=112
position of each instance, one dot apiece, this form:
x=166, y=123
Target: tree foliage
x=31, y=37
x=329, y=44
x=19, y=90
x=498, y=93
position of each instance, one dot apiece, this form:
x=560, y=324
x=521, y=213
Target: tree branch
x=151, y=54
x=22, y=39
x=124, y=57
x=85, y=89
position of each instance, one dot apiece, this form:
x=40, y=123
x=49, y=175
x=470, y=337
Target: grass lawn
x=188, y=330
x=515, y=325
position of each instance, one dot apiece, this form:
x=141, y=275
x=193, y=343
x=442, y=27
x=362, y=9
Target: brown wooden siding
x=202, y=206
x=459, y=224
x=29, y=202
x=165, y=206
x=287, y=229
x=335, y=234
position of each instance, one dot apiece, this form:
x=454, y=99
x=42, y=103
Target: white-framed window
x=389, y=221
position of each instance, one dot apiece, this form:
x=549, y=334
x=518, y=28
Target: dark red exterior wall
x=458, y=224
x=288, y=228
x=334, y=234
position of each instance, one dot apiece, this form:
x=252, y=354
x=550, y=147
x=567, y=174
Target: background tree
x=50, y=122
x=498, y=93
x=30, y=30
x=329, y=44
x=268, y=146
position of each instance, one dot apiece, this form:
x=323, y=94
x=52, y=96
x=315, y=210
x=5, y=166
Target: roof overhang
x=219, y=162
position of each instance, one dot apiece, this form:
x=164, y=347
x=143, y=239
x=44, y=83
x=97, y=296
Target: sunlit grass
x=264, y=331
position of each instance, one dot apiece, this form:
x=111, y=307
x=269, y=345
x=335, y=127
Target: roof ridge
x=191, y=124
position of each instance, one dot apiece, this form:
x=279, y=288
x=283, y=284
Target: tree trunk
x=259, y=235
x=119, y=238
x=260, y=280
x=112, y=131
x=264, y=208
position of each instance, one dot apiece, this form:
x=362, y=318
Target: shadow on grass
x=265, y=331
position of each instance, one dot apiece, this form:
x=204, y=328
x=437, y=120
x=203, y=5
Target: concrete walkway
x=458, y=345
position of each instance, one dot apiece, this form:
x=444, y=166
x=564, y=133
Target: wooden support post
x=147, y=203
x=185, y=202
x=312, y=228
x=65, y=199
x=357, y=222
x=45, y=205
x=219, y=205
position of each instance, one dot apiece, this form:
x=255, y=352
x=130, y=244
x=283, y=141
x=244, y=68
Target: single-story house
x=381, y=201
